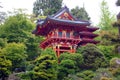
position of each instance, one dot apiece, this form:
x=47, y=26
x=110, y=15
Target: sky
x=92, y=6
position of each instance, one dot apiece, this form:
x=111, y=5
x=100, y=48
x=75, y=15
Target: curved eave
x=88, y=34
x=89, y=41
x=68, y=22
x=36, y=30
x=92, y=29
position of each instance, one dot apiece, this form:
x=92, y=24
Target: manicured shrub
x=86, y=75
x=93, y=58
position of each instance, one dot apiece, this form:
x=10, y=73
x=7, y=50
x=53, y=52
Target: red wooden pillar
x=70, y=49
x=58, y=50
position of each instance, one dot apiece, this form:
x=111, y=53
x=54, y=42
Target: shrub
x=66, y=67
x=45, y=68
x=103, y=74
x=108, y=51
x=115, y=66
x=76, y=58
x=93, y=57
x=86, y=75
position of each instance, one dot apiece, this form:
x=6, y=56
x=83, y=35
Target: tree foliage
x=15, y=28
x=32, y=44
x=80, y=13
x=69, y=64
x=15, y=52
x=18, y=28
x=108, y=51
x=3, y=43
x=93, y=57
x=46, y=7
x=45, y=68
x=86, y=75
x=5, y=66
x=49, y=51
x=66, y=67
x=17, y=43
x=107, y=18
x=76, y=58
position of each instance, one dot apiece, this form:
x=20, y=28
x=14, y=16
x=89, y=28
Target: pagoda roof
x=57, y=20
x=84, y=40
x=91, y=28
x=62, y=17
x=88, y=34
x=63, y=10
x=42, y=24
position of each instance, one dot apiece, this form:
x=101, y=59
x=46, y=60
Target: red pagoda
x=64, y=32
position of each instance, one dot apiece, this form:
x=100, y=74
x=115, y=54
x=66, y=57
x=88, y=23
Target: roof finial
x=64, y=5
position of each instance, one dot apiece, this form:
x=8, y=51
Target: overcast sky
x=91, y=6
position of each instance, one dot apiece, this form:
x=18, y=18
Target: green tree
x=76, y=58
x=3, y=43
x=108, y=51
x=107, y=18
x=45, y=68
x=18, y=28
x=5, y=66
x=93, y=57
x=49, y=51
x=80, y=13
x=15, y=52
x=69, y=65
x=86, y=75
x=46, y=7
x=15, y=28
x=66, y=67
x=32, y=44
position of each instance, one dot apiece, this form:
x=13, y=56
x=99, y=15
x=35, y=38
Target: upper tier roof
x=62, y=11
x=57, y=20
x=62, y=17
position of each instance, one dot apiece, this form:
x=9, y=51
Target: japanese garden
x=59, y=43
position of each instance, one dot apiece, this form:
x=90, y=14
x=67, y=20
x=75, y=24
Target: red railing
x=50, y=38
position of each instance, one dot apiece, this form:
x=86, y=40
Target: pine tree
x=46, y=7
x=80, y=13
x=107, y=18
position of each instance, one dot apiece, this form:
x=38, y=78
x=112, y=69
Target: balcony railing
x=63, y=37
x=49, y=39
